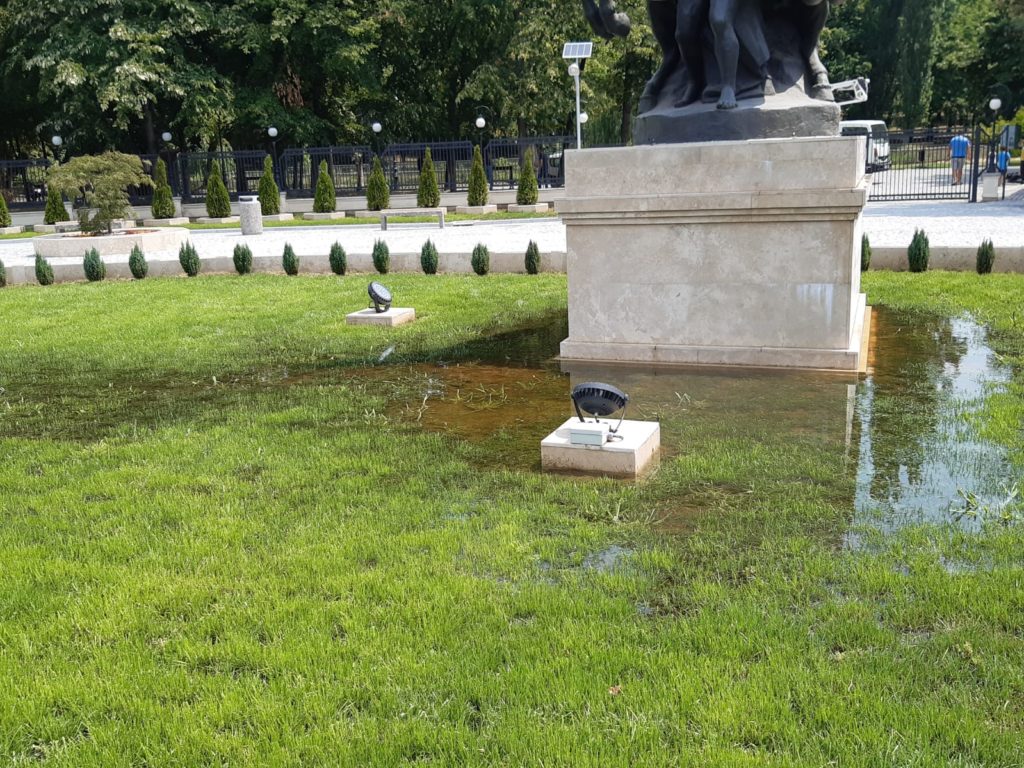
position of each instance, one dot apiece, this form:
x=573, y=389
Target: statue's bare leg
x=663, y=23
x=690, y=19
x=727, y=49
x=814, y=22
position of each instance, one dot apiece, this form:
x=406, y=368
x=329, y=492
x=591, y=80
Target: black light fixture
x=380, y=297
x=597, y=399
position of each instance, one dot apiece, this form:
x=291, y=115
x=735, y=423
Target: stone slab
x=394, y=316
x=176, y=221
x=218, y=220
x=11, y=230
x=279, y=217
x=534, y=208
x=162, y=239
x=476, y=210
x=629, y=457
x=323, y=216
x=952, y=259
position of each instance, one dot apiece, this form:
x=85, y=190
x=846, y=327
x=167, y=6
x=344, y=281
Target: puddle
x=606, y=560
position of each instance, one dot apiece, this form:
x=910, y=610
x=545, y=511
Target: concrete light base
x=725, y=253
x=279, y=217
x=218, y=220
x=11, y=230
x=629, y=457
x=177, y=221
x=534, y=208
x=394, y=316
x=476, y=210
x=323, y=216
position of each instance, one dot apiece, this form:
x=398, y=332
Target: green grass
x=501, y=216
x=225, y=542
x=18, y=235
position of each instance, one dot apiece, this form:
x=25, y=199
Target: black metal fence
x=349, y=168
x=919, y=165
x=503, y=158
x=452, y=162
x=23, y=183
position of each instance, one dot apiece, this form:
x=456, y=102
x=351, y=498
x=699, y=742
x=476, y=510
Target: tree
x=55, y=211
x=103, y=182
x=270, y=195
x=477, y=180
x=218, y=203
x=527, y=192
x=324, y=201
x=428, y=195
x=163, y=200
x=5, y=215
x=378, y=196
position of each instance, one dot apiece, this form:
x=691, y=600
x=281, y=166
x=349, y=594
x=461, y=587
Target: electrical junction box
x=588, y=433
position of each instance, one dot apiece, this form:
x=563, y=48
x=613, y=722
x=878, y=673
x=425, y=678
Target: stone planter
x=218, y=220
x=49, y=229
x=175, y=222
x=533, y=208
x=332, y=215
x=120, y=243
x=11, y=230
x=279, y=217
x=476, y=210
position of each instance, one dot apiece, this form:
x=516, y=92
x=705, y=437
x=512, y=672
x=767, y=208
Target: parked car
x=878, y=144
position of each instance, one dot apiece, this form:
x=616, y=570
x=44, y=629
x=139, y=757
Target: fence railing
x=452, y=162
x=23, y=183
x=348, y=166
x=920, y=166
x=503, y=158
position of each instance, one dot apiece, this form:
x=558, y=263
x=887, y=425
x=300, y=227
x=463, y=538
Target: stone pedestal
x=394, y=316
x=529, y=208
x=990, y=186
x=629, y=456
x=727, y=253
x=251, y=215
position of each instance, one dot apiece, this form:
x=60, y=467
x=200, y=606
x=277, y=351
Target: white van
x=878, y=145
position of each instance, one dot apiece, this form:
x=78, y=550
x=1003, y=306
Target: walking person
x=959, y=151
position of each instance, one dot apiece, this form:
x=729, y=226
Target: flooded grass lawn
x=235, y=531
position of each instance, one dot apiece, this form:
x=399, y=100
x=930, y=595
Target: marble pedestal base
x=727, y=253
x=394, y=316
x=629, y=457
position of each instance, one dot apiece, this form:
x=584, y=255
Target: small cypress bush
x=5, y=215
x=481, y=259
x=289, y=260
x=865, y=253
x=381, y=257
x=532, y=258
x=269, y=194
x=527, y=193
x=242, y=256
x=477, y=180
x=44, y=272
x=378, y=195
x=428, y=195
x=338, y=259
x=189, y=259
x=137, y=263
x=428, y=258
x=3, y=275
x=986, y=257
x=95, y=269
x=324, y=201
x=919, y=252
x=163, y=199
x=55, y=211
x=218, y=204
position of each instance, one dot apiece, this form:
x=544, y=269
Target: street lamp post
x=57, y=142
x=576, y=52
x=272, y=133
x=995, y=105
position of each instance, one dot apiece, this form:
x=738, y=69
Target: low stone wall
x=164, y=239
x=1008, y=259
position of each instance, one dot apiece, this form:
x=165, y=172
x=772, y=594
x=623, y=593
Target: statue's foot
x=728, y=98
x=822, y=92
x=688, y=96
x=769, y=87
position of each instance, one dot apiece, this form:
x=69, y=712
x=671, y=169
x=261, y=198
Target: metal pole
x=579, y=129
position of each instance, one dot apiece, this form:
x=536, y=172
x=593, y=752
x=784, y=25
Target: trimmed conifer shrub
x=481, y=259
x=55, y=211
x=269, y=194
x=381, y=257
x=3, y=275
x=428, y=195
x=5, y=215
x=477, y=180
x=527, y=193
x=189, y=259
x=218, y=204
x=95, y=269
x=378, y=195
x=428, y=258
x=44, y=272
x=163, y=198
x=242, y=256
x=986, y=257
x=919, y=252
x=289, y=260
x=532, y=258
x=865, y=253
x=137, y=263
x=338, y=259
x=324, y=201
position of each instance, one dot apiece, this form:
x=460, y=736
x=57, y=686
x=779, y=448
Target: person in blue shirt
x=1003, y=161
x=959, y=151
